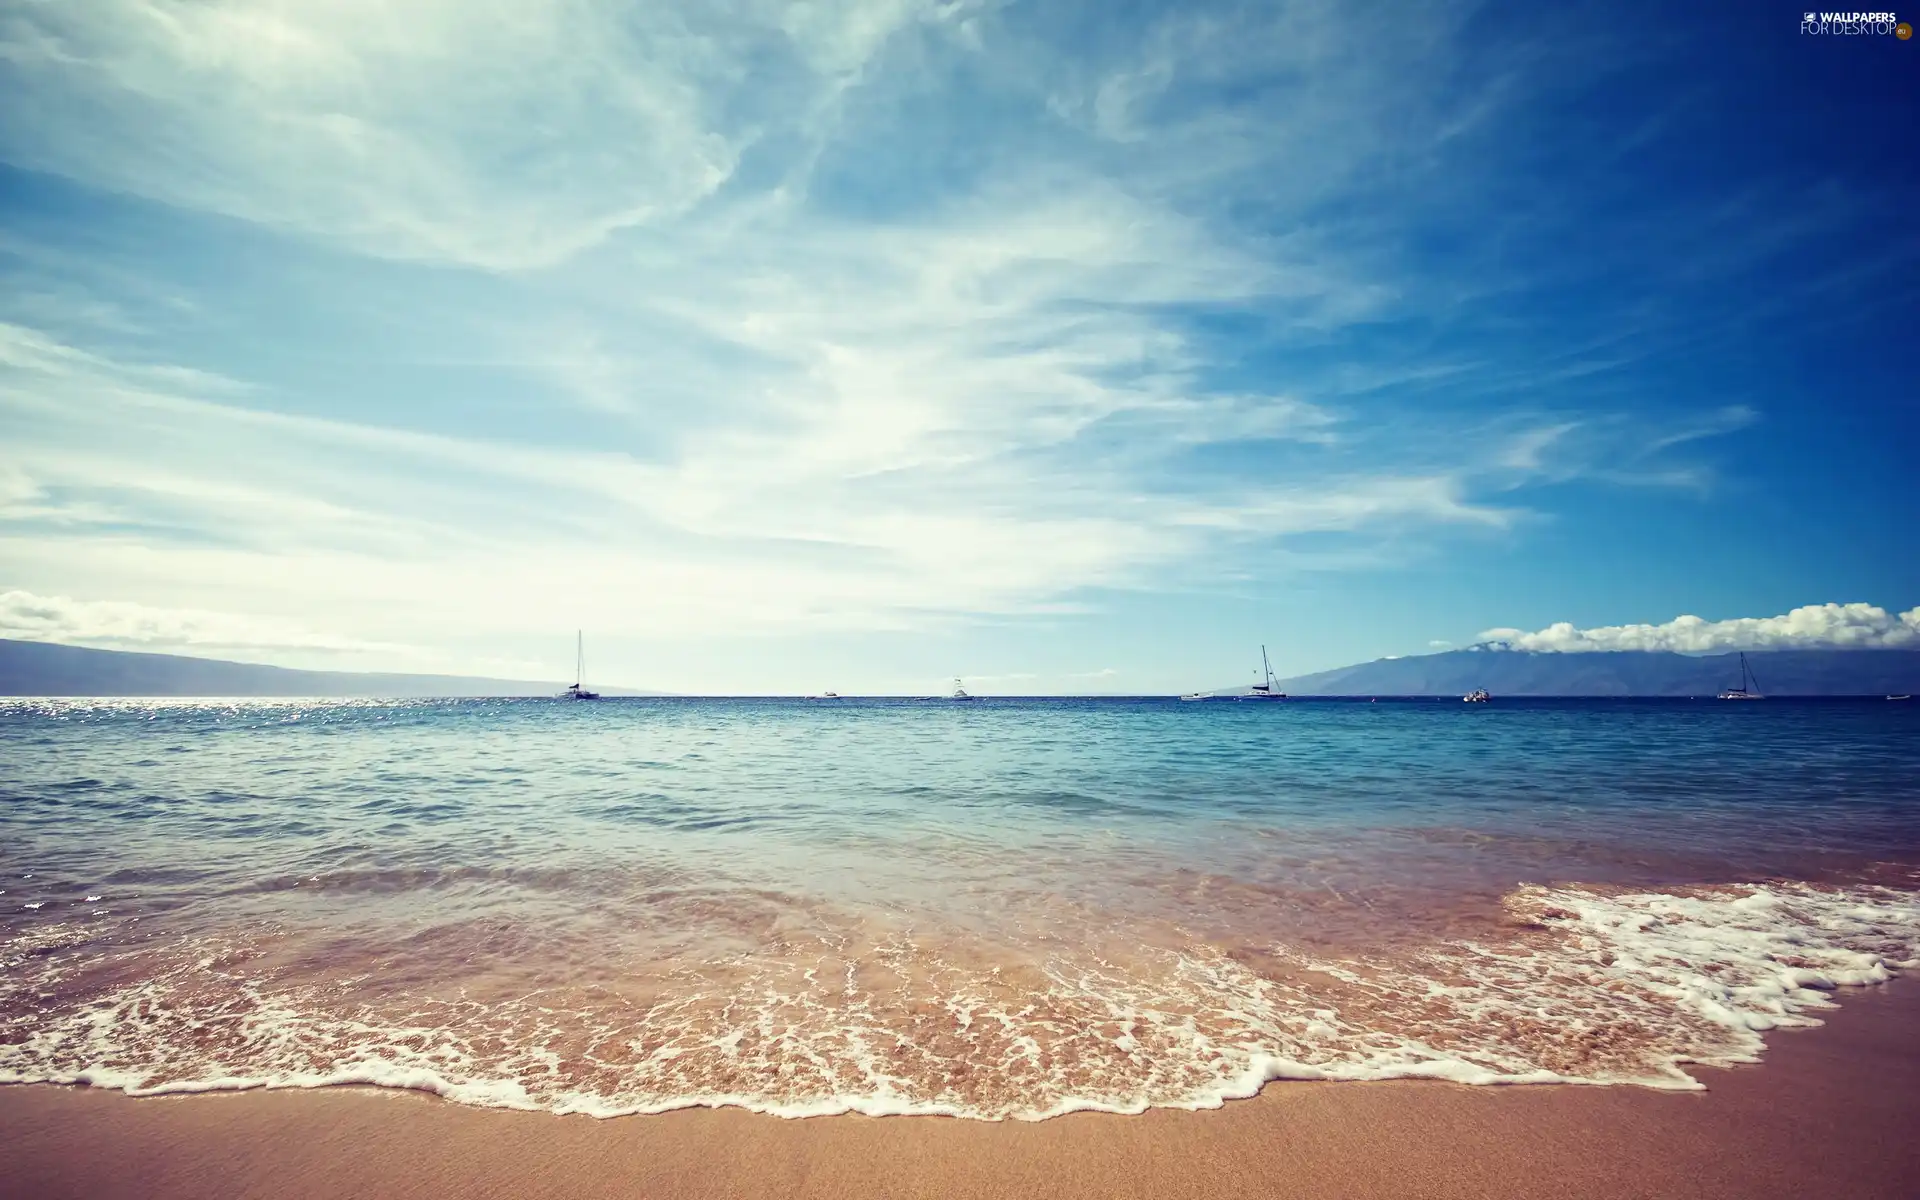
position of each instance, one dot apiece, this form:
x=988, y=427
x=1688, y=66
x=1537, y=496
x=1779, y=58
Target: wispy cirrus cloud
x=766, y=317
x=134, y=473
x=1615, y=448
x=509, y=140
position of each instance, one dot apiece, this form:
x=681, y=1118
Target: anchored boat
x=577, y=690
x=1749, y=688
x=1264, y=690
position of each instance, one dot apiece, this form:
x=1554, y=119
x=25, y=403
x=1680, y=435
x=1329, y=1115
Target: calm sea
x=996, y=909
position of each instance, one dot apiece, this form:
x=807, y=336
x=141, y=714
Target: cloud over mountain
x=1810, y=627
x=122, y=625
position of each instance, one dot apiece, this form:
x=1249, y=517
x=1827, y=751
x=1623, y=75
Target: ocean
x=1001, y=909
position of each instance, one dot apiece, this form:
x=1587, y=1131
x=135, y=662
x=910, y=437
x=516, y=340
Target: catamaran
x=578, y=689
x=1749, y=688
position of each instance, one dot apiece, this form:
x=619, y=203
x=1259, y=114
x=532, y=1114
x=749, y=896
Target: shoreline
x=1830, y=1109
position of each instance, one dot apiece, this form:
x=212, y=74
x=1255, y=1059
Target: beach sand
x=1833, y=1111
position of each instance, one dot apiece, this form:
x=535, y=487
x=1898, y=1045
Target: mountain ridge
x=1827, y=672
x=53, y=669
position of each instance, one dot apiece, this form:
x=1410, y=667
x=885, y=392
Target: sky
x=1077, y=348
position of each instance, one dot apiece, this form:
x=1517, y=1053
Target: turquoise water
x=1005, y=908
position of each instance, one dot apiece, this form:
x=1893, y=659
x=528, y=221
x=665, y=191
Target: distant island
x=1618, y=673
x=49, y=669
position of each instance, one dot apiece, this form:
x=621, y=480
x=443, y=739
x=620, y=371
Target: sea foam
x=1579, y=985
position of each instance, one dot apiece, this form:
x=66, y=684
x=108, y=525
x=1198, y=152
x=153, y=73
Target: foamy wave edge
x=509, y=1095
x=1747, y=960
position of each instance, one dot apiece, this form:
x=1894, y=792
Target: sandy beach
x=1832, y=1111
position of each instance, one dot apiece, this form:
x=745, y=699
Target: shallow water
x=1008, y=908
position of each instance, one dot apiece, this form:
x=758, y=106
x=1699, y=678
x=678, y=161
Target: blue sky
x=1064, y=347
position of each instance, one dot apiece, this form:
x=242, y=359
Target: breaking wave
x=1576, y=984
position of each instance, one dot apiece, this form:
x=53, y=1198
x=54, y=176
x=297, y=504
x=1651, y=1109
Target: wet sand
x=1833, y=1111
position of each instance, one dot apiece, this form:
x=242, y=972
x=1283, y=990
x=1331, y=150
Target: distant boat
x=1899, y=697
x=1478, y=696
x=1749, y=688
x=825, y=696
x=1264, y=689
x=578, y=689
x=959, y=693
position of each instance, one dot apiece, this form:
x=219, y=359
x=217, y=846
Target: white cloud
x=1630, y=452
x=1525, y=452
x=505, y=136
x=790, y=377
x=1814, y=626
x=952, y=440
x=121, y=625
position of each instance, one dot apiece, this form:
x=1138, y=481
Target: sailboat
x=1749, y=688
x=1264, y=689
x=1260, y=691
x=959, y=693
x=578, y=689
